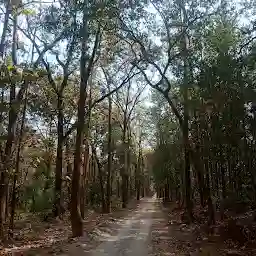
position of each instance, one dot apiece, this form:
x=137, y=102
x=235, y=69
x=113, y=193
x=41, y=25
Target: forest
x=105, y=102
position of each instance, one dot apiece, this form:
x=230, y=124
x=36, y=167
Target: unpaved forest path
x=132, y=234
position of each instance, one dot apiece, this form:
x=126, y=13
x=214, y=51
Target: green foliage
x=28, y=12
x=95, y=194
x=38, y=194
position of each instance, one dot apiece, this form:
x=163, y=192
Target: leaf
x=10, y=67
x=28, y=12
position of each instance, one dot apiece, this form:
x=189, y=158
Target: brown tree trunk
x=222, y=173
x=201, y=187
x=69, y=171
x=187, y=178
x=142, y=190
x=198, y=165
x=138, y=172
x=124, y=190
x=86, y=169
x=102, y=185
x=118, y=187
x=76, y=221
x=211, y=213
x=103, y=200
x=166, y=192
x=109, y=171
x=17, y=169
x=138, y=188
x=124, y=173
x=82, y=195
x=15, y=102
x=83, y=182
x=85, y=71
x=57, y=206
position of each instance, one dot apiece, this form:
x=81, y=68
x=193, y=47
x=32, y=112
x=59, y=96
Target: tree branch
x=165, y=94
x=127, y=79
x=246, y=44
x=73, y=127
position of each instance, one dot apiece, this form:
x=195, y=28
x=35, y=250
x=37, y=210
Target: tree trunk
x=166, y=193
x=85, y=71
x=222, y=172
x=124, y=174
x=69, y=172
x=102, y=187
x=17, y=169
x=109, y=171
x=82, y=195
x=138, y=189
x=102, y=190
x=5, y=28
x=124, y=190
x=142, y=190
x=118, y=187
x=76, y=221
x=58, y=207
x=187, y=178
x=83, y=182
x=13, y=115
x=211, y=213
x=201, y=187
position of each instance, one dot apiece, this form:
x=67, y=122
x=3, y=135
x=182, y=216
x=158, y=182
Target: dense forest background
x=105, y=101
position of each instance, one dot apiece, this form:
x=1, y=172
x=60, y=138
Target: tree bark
x=187, y=178
x=222, y=172
x=110, y=157
x=83, y=182
x=69, y=171
x=166, y=192
x=76, y=221
x=138, y=175
x=138, y=189
x=85, y=71
x=17, y=169
x=124, y=173
x=185, y=126
x=211, y=213
x=58, y=207
x=15, y=102
x=124, y=190
x=5, y=28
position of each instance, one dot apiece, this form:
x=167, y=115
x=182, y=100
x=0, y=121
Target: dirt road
x=133, y=236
